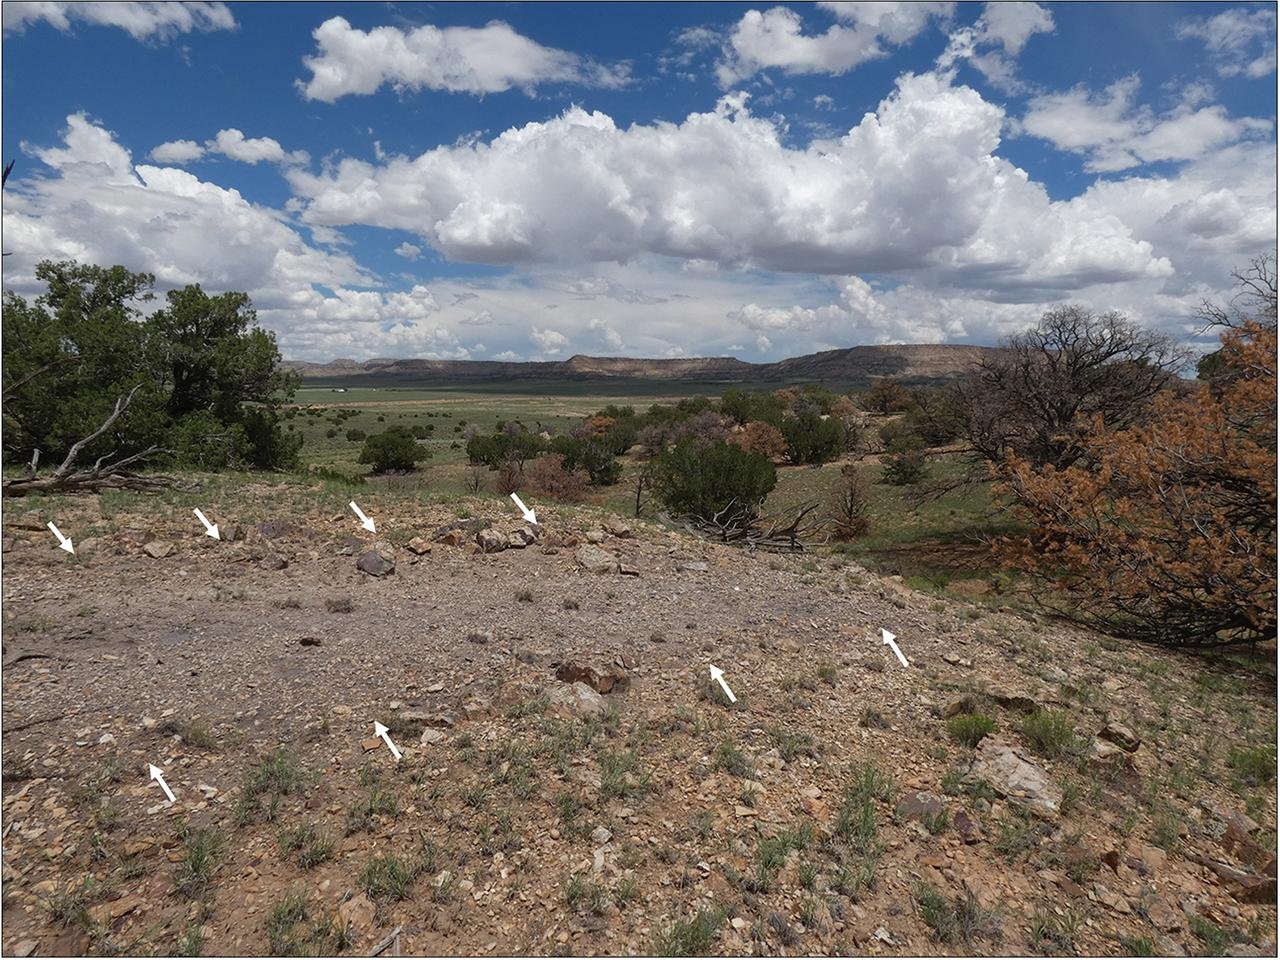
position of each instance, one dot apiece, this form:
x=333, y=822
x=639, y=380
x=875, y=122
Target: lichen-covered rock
x=376, y=563
x=491, y=541
x=1016, y=778
x=575, y=700
x=595, y=560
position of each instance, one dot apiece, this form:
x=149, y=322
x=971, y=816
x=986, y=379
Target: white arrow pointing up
x=529, y=515
x=364, y=521
x=63, y=542
x=888, y=640
x=381, y=731
x=211, y=529
x=158, y=776
x=718, y=675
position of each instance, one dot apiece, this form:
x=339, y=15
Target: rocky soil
x=571, y=780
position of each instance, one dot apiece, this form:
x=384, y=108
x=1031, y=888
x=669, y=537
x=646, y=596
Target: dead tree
x=105, y=474
x=784, y=531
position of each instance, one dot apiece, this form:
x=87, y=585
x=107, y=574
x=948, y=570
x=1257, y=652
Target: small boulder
x=491, y=541
x=595, y=560
x=920, y=805
x=158, y=549
x=358, y=914
x=692, y=566
x=452, y=538
x=1121, y=736
x=600, y=677
x=595, y=536
x=376, y=564
x=430, y=736
x=1015, y=778
x=570, y=700
x=418, y=546
x=617, y=527
x=526, y=535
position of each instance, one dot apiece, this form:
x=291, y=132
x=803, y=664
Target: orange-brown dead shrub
x=547, y=477
x=1166, y=531
x=760, y=437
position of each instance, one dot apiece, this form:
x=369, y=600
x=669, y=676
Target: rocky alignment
x=571, y=780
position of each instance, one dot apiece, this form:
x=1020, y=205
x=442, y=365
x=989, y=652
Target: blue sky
x=535, y=180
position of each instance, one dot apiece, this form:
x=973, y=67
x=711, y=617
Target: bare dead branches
x=785, y=531
x=103, y=475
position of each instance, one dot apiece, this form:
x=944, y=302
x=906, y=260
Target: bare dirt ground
x=834, y=809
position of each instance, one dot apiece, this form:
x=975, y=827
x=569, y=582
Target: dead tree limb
x=785, y=531
x=102, y=475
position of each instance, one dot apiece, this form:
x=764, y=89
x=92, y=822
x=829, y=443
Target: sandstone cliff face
x=855, y=365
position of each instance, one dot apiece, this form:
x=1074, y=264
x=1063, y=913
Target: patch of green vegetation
x=621, y=774
x=1050, y=733
x=793, y=743
x=1054, y=934
x=201, y=849
x=730, y=758
x=582, y=893
x=277, y=776
x=387, y=878
x=970, y=728
x=1253, y=766
x=291, y=935
x=690, y=938
x=312, y=845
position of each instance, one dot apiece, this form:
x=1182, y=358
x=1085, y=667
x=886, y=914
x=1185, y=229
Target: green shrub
x=393, y=449
x=355, y=435
x=811, y=439
x=1255, y=766
x=970, y=728
x=905, y=465
x=1050, y=732
x=720, y=481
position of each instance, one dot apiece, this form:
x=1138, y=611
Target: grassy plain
x=927, y=542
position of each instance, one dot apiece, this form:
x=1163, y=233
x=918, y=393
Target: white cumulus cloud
x=775, y=38
x=410, y=251
x=1115, y=132
x=1240, y=41
x=142, y=20
x=476, y=60
x=915, y=186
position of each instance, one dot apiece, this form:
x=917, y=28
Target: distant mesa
x=912, y=363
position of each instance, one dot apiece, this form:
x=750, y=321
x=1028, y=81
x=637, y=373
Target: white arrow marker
x=364, y=521
x=718, y=675
x=63, y=542
x=529, y=515
x=888, y=639
x=381, y=731
x=158, y=776
x=209, y=528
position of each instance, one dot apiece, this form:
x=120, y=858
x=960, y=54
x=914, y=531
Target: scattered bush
x=392, y=450
x=355, y=435
x=812, y=438
x=905, y=465
x=1050, y=732
x=720, y=481
x=548, y=477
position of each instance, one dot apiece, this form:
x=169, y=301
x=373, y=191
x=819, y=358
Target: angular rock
x=595, y=536
x=1015, y=778
x=617, y=527
x=1121, y=736
x=376, y=564
x=431, y=735
x=452, y=538
x=273, y=561
x=595, y=560
x=570, y=700
x=1109, y=898
x=692, y=566
x=920, y=805
x=418, y=546
x=600, y=677
x=491, y=541
x=358, y=913
x=627, y=570
x=525, y=535
x=158, y=549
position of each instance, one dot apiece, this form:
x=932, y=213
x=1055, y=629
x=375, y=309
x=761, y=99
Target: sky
x=531, y=181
